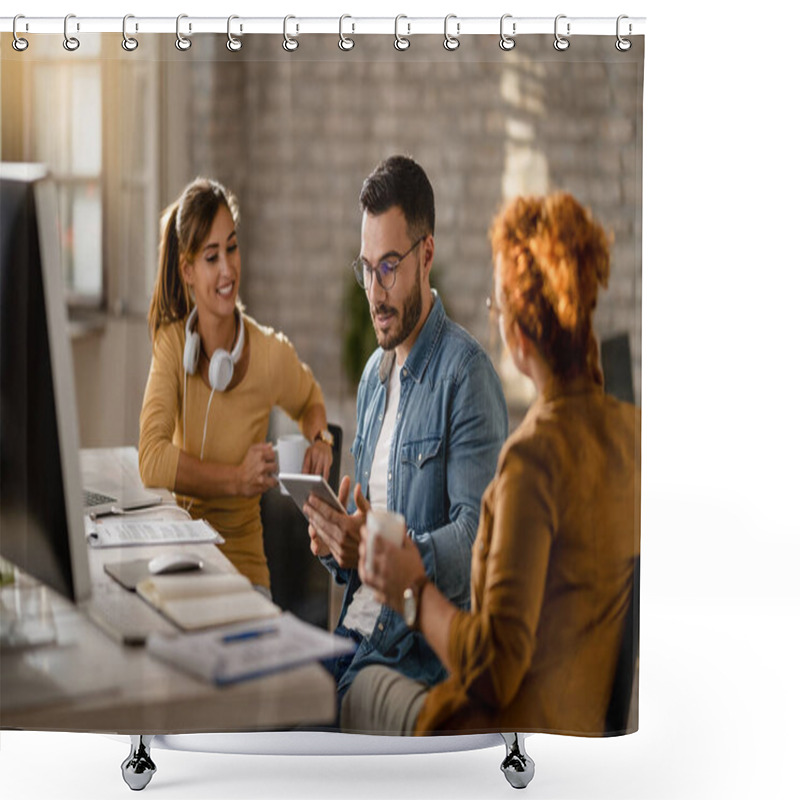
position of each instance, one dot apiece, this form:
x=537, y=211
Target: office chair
x=615, y=357
x=299, y=581
x=623, y=709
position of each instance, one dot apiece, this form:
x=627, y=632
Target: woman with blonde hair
x=553, y=561
x=215, y=375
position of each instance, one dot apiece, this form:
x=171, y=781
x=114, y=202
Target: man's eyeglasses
x=386, y=269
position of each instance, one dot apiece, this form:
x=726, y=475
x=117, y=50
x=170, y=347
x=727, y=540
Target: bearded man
x=431, y=419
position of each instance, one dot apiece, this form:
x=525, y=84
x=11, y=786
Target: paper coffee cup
x=389, y=525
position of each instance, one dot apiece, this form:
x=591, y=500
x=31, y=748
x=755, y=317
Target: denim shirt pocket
x=423, y=475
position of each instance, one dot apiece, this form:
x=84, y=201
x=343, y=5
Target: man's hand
x=317, y=544
x=394, y=569
x=257, y=471
x=334, y=533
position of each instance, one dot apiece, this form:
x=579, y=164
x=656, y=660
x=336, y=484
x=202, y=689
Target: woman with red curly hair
x=552, y=565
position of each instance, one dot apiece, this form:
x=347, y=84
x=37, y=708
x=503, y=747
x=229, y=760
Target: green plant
x=359, y=335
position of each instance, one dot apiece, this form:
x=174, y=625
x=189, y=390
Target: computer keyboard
x=91, y=499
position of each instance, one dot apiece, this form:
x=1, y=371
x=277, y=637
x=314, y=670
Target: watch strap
x=416, y=589
x=324, y=436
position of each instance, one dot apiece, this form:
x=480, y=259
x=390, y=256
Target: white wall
x=720, y=538
x=111, y=365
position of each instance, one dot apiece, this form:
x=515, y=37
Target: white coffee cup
x=291, y=451
x=389, y=525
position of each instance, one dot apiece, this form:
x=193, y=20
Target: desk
x=88, y=682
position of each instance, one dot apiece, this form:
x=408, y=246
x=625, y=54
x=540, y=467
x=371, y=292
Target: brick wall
x=295, y=135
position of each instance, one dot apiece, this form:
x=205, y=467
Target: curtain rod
x=452, y=26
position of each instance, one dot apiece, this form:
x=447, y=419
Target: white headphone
x=220, y=367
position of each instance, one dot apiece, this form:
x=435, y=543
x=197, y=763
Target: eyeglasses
x=386, y=269
x=493, y=307
x=496, y=311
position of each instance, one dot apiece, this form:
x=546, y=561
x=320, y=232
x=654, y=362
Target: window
x=90, y=115
x=60, y=112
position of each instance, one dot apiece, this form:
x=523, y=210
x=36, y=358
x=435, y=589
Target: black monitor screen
x=37, y=516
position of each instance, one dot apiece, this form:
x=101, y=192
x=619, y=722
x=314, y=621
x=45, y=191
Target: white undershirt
x=363, y=611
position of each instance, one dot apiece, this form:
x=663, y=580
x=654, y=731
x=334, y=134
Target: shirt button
x=419, y=457
x=390, y=476
x=380, y=626
x=405, y=373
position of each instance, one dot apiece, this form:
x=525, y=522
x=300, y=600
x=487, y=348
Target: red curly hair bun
x=553, y=257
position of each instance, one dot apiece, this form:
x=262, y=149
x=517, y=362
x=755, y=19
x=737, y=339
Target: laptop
x=114, y=491
x=97, y=502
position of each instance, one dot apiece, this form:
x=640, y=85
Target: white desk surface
x=86, y=681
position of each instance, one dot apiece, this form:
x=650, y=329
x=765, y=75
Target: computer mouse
x=174, y=562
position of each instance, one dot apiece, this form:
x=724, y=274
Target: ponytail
x=170, y=301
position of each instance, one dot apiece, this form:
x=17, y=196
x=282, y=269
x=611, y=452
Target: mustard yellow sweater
x=552, y=570
x=237, y=419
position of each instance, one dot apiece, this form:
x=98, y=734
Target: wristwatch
x=325, y=436
x=411, y=601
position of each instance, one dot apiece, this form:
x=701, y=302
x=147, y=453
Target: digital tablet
x=301, y=486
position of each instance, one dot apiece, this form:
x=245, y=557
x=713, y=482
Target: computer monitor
x=41, y=520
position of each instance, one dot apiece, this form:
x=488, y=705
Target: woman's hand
x=394, y=569
x=257, y=471
x=318, y=459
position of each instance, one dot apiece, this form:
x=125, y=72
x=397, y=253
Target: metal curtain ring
x=181, y=42
x=70, y=42
x=400, y=42
x=290, y=44
x=451, y=42
x=344, y=42
x=560, y=42
x=233, y=44
x=623, y=45
x=19, y=44
x=507, y=42
x=128, y=42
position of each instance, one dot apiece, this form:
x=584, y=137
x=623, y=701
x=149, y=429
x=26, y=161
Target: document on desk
x=241, y=652
x=195, y=601
x=121, y=533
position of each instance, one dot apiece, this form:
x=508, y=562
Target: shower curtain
x=294, y=134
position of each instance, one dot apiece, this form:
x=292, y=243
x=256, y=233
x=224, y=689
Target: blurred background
x=294, y=136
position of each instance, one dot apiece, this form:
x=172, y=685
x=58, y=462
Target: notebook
x=193, y=601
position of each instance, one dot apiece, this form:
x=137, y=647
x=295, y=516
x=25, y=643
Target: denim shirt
x=451, y=423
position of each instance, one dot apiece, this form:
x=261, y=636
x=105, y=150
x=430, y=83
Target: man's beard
x=412, y=311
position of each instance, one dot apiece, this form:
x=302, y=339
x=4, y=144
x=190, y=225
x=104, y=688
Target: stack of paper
x=237, y=653
x=113, y=532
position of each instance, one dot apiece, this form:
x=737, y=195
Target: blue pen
x=245, y=635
